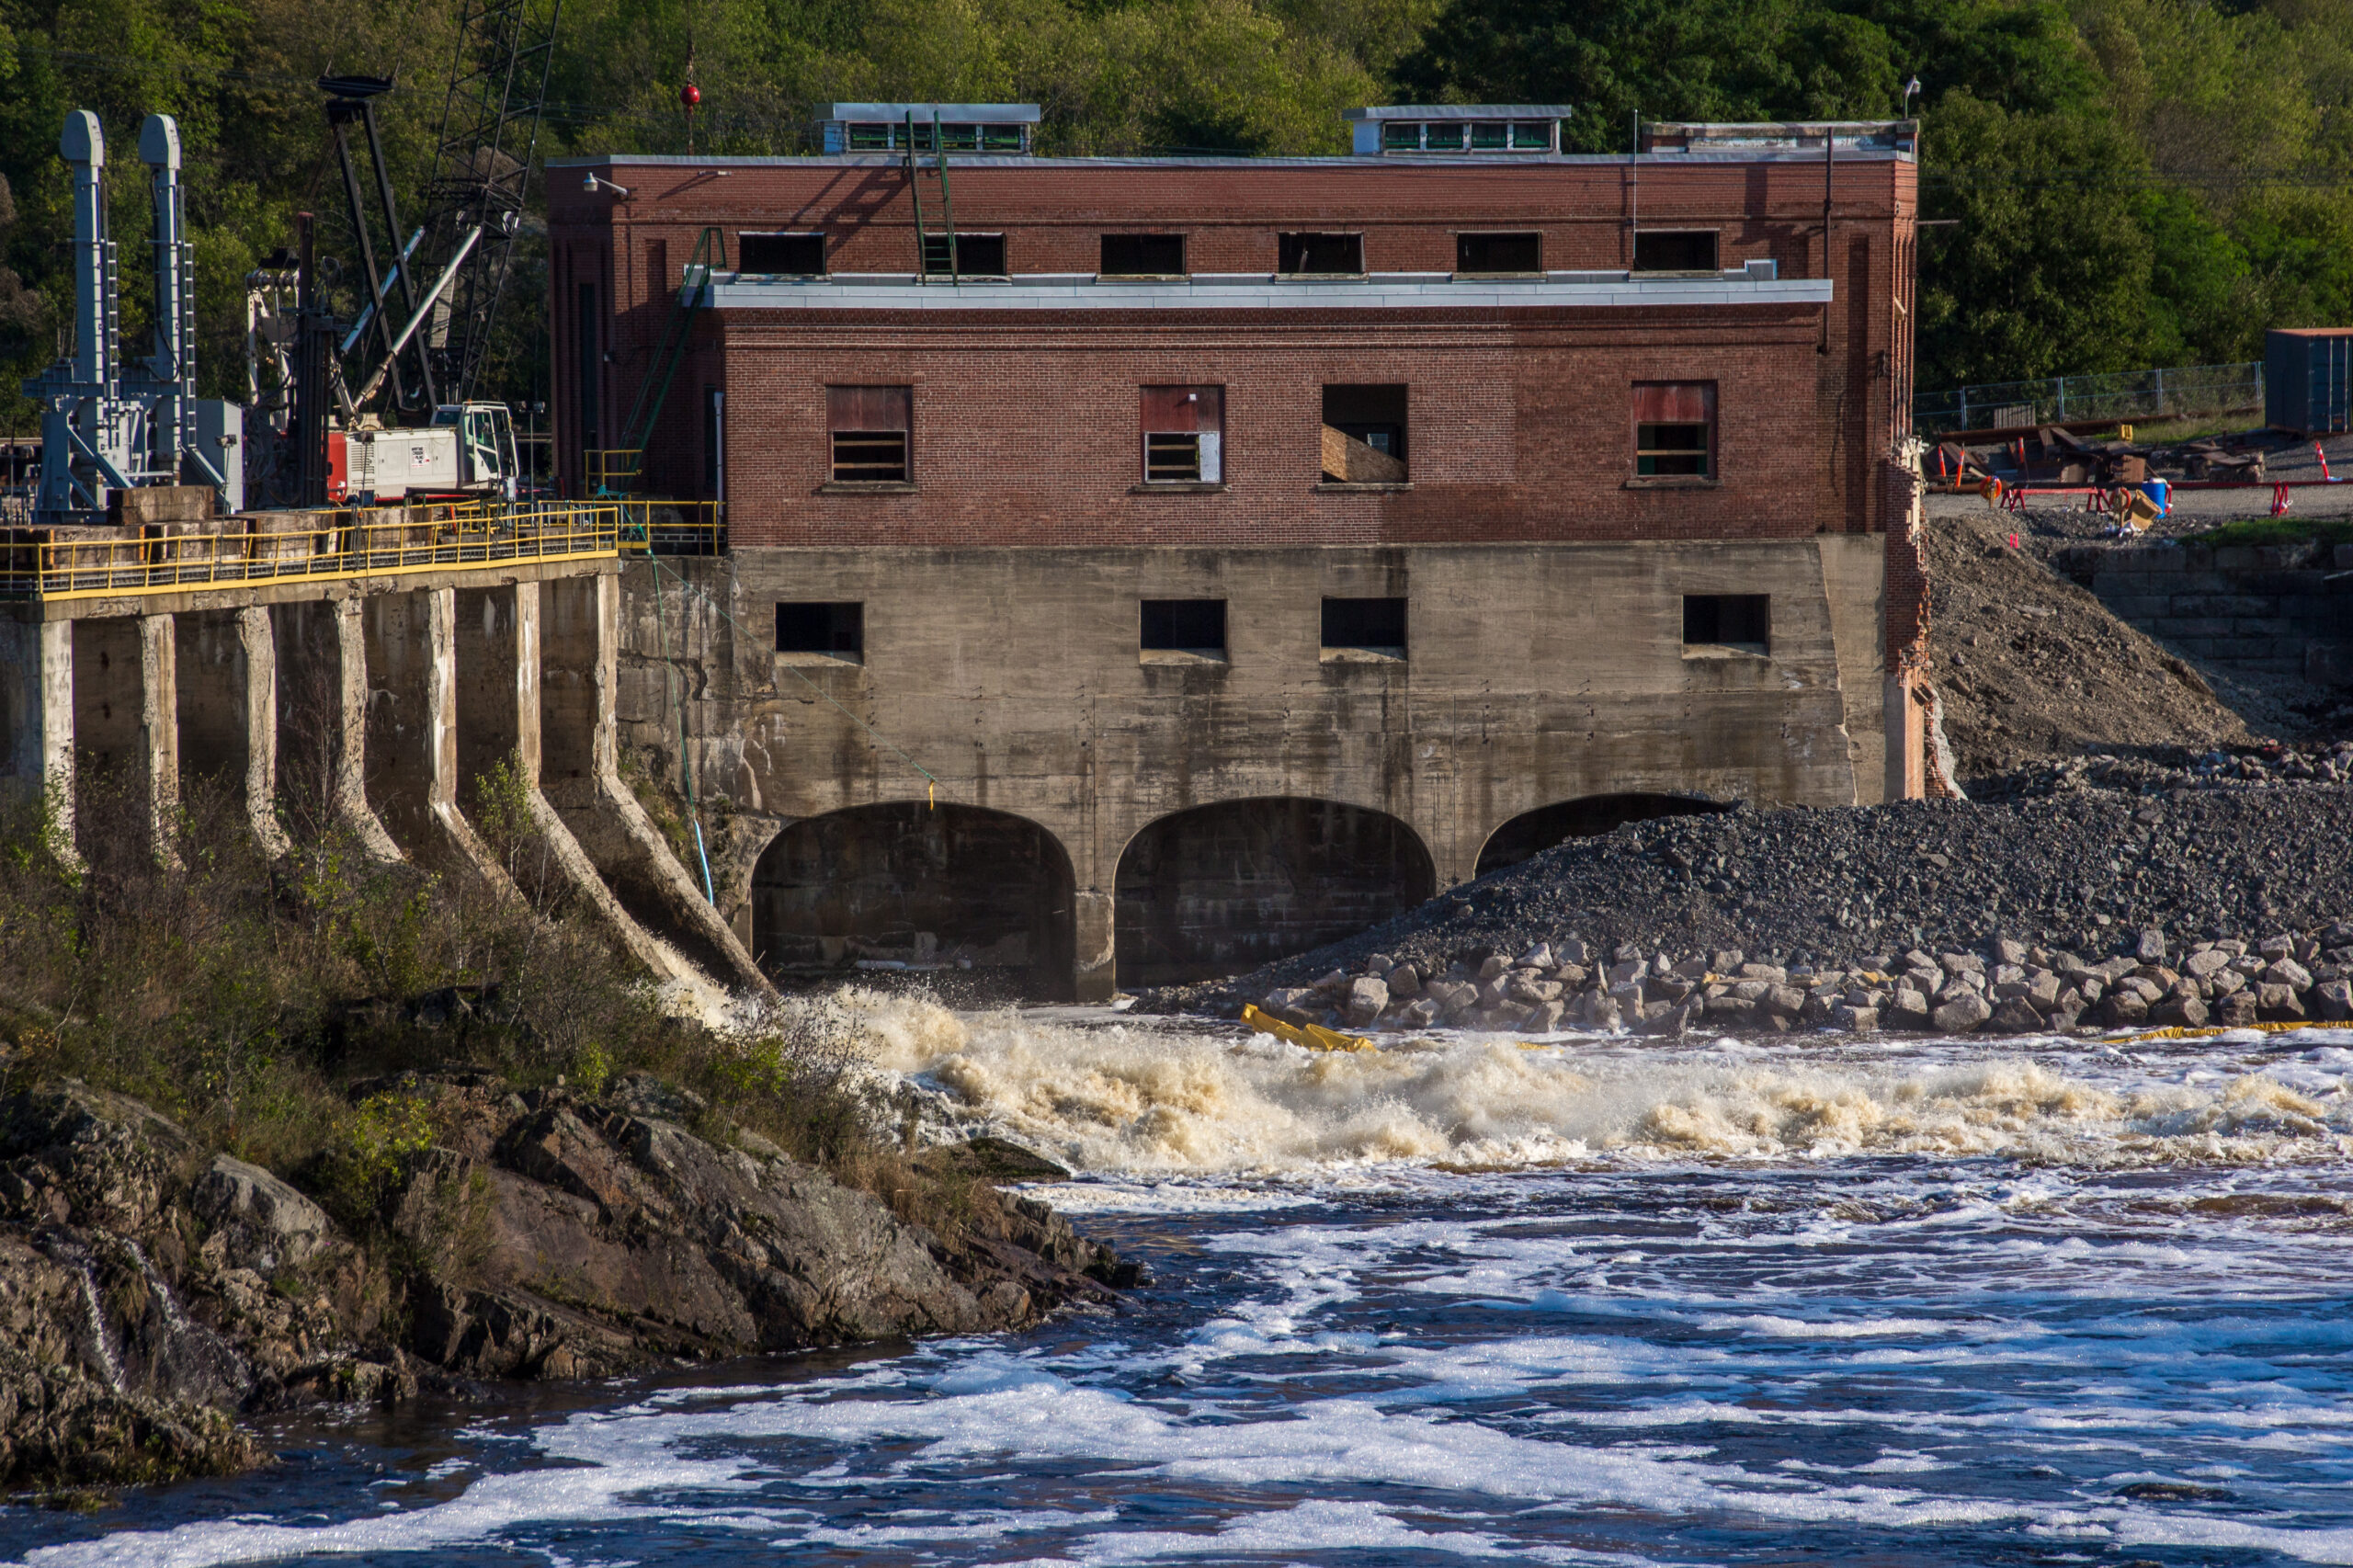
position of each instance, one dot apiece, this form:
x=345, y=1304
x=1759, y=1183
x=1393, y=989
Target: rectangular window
x=1144, y=256
x=839, y=630
x=1185, y=626
x=1744, y=621
x=1443, y=136
x=1671, y=251
x=1183, y=435
x=1675, y=430
x=870, y=137
x=792, y=255
x=1531, y=136
x=870, y=426
x=1400, y=135
x=1364, y=435
x=1324, y=254
x=1498, y=252
x=977, y=255
x=1365, y=626
x=1489, y=135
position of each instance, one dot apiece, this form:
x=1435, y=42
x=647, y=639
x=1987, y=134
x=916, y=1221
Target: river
x=1583, y=1300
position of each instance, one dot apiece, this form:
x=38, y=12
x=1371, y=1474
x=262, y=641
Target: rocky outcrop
x=151, y=1290
x=576, y=1236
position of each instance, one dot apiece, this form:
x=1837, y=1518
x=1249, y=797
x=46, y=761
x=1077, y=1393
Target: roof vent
x=1002, y=129
x=1401, y=130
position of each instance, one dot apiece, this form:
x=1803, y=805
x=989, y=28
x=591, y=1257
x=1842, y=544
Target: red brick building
x=1521, y=484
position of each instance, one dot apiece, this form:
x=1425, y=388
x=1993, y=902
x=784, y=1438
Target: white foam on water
x=1160, y=1097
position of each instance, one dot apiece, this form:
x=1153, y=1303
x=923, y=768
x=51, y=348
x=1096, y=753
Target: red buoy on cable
x=690, y=95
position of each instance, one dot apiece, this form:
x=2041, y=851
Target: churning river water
x=1594, y=1302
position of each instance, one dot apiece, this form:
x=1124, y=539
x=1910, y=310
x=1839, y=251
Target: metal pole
x=310, y=344
x=391, y=230
x=946, y=207
x=340, y=114
x=915, y=195
x=172, y=421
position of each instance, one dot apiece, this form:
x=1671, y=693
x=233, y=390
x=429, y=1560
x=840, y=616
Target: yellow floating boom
x=1314, y=1037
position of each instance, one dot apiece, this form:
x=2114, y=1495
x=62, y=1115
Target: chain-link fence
x=2179, y=393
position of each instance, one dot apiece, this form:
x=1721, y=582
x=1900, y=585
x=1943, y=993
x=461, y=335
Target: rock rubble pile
x=2007, y=989
x=1922, y=915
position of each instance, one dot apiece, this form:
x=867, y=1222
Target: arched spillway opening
x=955, y=886
x=1531, y=833
x=1220, y=888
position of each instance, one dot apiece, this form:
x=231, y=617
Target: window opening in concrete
x=813, y=626
x=1670, y=250
x=1675, y=430
x=1365, y=626
x=1144, y=256
x=1325, y=254
x=1185, y=626
x=802, y=256
x=1740, y=622
x=1219, y=889
x=977, y=255
x=1183, y=435
x=1498, y=252
x=1532, y=833
x=952, y=888
x=870, y=426
x=1364, y=435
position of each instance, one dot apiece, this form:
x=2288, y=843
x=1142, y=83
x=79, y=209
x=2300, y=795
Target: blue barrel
x=2308, y=380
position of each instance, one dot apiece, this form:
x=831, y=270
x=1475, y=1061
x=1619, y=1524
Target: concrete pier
x=377, y=708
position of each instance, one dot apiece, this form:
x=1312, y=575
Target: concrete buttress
x=580, y=778
x=412, y=740
x=500, y=654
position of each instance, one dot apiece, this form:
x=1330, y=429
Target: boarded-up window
x=870, y=428
x=1675, y=429
x=1183, y=435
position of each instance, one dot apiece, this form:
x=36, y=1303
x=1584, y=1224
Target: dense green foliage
x=2135, y=182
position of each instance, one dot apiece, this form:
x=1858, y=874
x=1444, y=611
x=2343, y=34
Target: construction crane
x=424, y=305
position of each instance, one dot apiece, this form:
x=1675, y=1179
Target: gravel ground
x=2083, y=869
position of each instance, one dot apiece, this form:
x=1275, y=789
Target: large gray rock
x=270, y=1224
x=1961, y=1015
x=1367, y=999
x=2333, y=1000
x=2015, y=1016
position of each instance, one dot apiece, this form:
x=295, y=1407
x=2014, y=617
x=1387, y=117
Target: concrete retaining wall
x=2268, y=610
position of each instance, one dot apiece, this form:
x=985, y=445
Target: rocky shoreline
x=152, y=1291
x=2206, y=890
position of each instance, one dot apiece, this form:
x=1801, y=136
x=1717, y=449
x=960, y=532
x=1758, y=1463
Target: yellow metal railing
x=672, y=528
x=366, y=542
x=613, y=470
